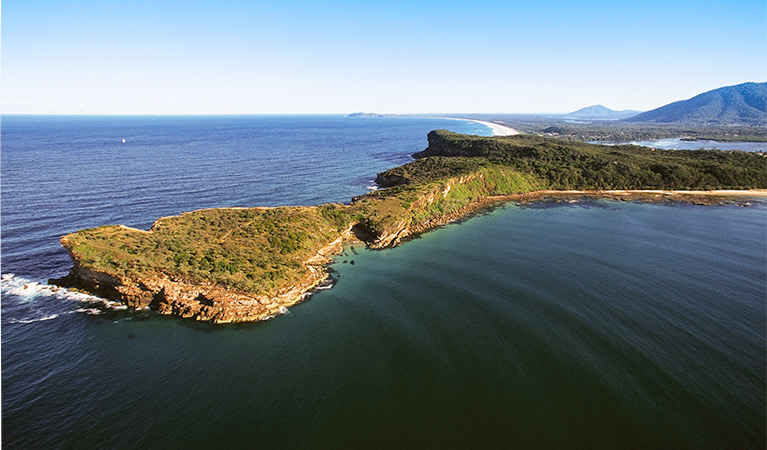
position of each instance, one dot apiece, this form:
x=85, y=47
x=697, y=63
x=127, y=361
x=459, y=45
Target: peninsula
x=245, y=264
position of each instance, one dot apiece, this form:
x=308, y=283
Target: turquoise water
x=597, y=324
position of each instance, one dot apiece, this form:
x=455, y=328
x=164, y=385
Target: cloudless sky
x=292, y=56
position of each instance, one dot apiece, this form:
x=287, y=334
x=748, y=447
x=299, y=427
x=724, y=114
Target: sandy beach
x=498, y=129
x=720, y=192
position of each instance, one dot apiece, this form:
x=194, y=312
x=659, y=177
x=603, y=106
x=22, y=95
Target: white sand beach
x=498, y=129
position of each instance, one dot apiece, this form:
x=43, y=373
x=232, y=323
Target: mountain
x=743, y=104
x=599, y=112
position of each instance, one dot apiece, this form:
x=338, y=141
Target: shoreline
x=744, y=193
x=223, y=305
x=496, y=129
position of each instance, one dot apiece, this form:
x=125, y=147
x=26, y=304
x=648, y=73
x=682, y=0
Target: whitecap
x=38, y=319
x=29, y=292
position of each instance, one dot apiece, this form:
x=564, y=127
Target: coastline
x=218, y=304
x=237, y=265
x=745, y=193
x=495, y=128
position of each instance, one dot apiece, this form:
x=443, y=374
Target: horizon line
x=409, y=115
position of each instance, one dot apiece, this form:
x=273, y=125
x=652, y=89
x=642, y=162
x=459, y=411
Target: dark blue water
x=587, y=325
x=61, y=174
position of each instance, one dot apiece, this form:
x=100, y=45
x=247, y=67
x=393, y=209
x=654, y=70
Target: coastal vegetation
x=561, y=165
x=253, y=250
x=265, y=252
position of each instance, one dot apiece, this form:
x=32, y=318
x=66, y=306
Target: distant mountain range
x=599, y=112
x=743, y=104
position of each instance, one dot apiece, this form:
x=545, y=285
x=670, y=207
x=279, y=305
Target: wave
x=324, y=286
x=29, y=292
x=33, y=320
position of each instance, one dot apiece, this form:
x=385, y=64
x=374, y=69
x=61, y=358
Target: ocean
x=594, y=324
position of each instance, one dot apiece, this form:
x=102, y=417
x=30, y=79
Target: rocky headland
x=246, y=264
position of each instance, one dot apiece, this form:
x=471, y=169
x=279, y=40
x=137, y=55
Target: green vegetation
x=262, y=250
x=562, y=165
x=254, y=250
x=433, y=188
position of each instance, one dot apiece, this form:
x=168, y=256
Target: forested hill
x=570, y=165
x=743, y=104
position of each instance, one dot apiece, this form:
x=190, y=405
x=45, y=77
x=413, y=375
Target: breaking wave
x=33, y=295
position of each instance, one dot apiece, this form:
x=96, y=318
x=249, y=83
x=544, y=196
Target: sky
x=336, y=56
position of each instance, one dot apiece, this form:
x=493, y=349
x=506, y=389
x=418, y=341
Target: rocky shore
x=176, y=296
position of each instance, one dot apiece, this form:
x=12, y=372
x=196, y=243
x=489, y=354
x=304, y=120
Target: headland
x=245, y=264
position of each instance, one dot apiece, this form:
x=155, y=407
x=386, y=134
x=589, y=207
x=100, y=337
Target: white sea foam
x=29, y=291
x=33, y=320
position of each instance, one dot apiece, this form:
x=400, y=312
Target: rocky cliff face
x=421, y=215
x=439, y=145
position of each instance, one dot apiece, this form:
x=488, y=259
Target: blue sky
x=256, y=57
